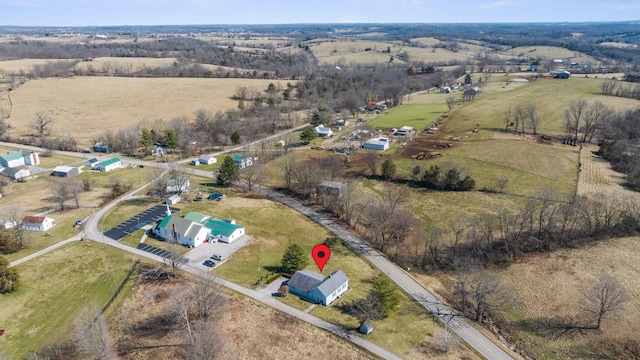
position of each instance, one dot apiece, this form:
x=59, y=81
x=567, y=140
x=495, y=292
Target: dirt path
x=597, y=178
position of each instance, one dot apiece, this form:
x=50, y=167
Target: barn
x=109, y=165
x=379, y=143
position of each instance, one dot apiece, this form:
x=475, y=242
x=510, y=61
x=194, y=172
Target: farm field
x=54, y=289
x=81, y=106
x=549, y=53
x=551, y=97
x=418, y=116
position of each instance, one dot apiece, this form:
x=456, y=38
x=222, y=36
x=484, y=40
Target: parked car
x=216, y=197
x=216, y=257
x=78, y=222
x=209, y=263
x=198, y=198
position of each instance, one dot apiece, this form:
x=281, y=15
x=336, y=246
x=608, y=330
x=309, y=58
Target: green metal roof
x=110, y=161
x=219, y=227
x=92, y=161
x=237, y=158
x=164, y=222
x=13, y=156
x=196, y=217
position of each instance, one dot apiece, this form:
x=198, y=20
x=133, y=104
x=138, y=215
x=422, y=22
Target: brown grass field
x=549, y=53
x=85, y=107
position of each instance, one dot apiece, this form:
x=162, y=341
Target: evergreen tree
x=228, y=172
x=294, y=259
x=388, y=169
x=387, y=292
x=308, y=134
x=9, y=277
x=146, y=141
x=170, y=139
x=235, y=138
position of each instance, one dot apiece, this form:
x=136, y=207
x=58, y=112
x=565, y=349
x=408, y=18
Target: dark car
x=216, y=197
x=209, y=263
x=198, y=198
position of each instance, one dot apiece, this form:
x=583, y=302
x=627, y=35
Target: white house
x=242, y=161
x=19, y=158
x=317, y=288
x=187, y=232
x=37, y=223
x=7, y=224
x=207, y=159
x=109, y=165
x=323, y=132
x=178, y=184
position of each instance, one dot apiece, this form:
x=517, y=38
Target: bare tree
x=287, y=166
x=520, y=116
x=481, y=294
x=507, y=119
x=42, y=123
x=307, y=176
x=371, y=160
x=445, y=341
x=451, y=99
x=532, y=116
x=575, y=114
x=387, y=224
x=595, y=119
x=75, y=189
x=253, y=176
x=605, y=297
x=60, y=192
x=92, y=335
x=159, y=179
x=348, y=202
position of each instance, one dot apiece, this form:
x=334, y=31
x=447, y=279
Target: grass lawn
x=54, y=288
x=418, y=116
x=127, y=175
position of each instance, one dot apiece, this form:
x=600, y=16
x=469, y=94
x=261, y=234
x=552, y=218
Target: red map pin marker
x=321, y=254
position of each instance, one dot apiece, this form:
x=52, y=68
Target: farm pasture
x=82, y=106
x=548, y=53
x=418, y=116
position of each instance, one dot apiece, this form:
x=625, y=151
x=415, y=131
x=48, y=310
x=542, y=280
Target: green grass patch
x=134, y=176
x=55, y=287
x=418, y=116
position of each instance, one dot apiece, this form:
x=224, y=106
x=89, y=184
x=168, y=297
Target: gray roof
x=306, y=281
x=332, y=184
x=182, y=225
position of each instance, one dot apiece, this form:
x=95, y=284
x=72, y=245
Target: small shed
x=366, y=327
x=16, y=173
x=174, y=199
x=195, y=162
x=65, y=171
x=92, y=163
x=333, y=188
x=280, y=143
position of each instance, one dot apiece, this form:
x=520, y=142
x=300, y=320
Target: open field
x=418, y=116
x=551, y=97
x=54, y=289
x=548, y=53
x=551, y=286
x=81, y=106
x=15, y=66
x=130, y=63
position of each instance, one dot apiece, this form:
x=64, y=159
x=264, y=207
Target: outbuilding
x=366, y=327
x=65, y=171
x=92, y=163
x=16, y=173
x=207, y=159
x=109, y=165
x=379, y=143
x=174, y=199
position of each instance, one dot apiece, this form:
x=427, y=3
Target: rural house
x=379, y=143
x=184, y=231
x=19, y=158
x=101, y=147
x=37, y=223
x=207, y=159
x=178, y=184
x=92, y=163
x=7, y=224
x=323, y=132
x=65, y=171
x=109, y=165
x=319, y=289
x=332, y=188
x=242, y=161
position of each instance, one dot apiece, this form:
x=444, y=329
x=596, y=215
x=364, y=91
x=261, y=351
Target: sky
x=189, y=12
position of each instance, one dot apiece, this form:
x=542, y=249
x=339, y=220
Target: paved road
x=456, y=323
x=76, y=237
